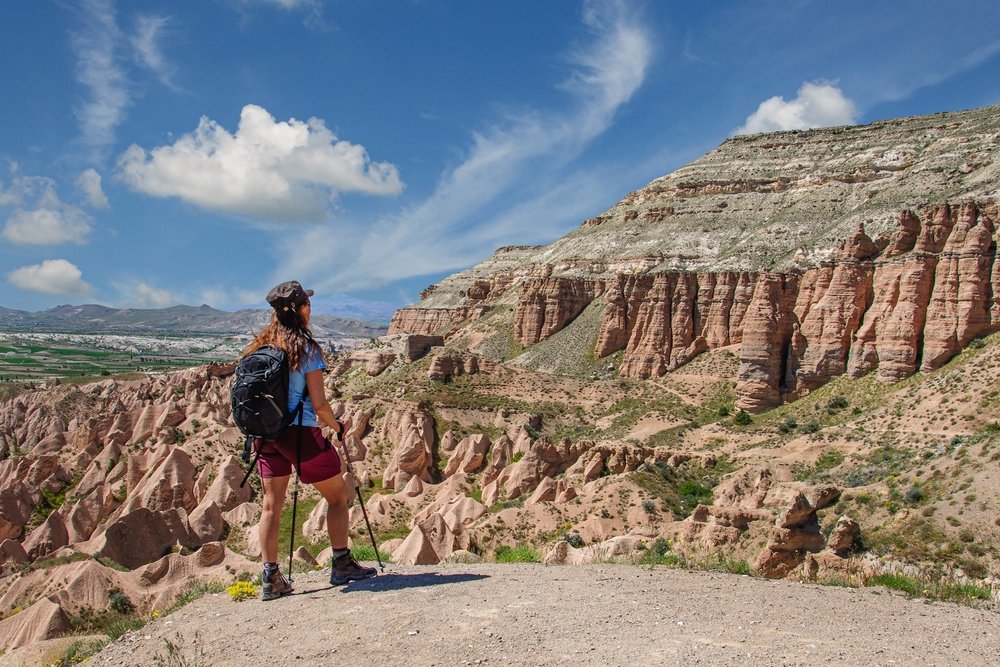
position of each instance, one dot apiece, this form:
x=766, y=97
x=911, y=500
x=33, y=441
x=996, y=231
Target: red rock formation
x=959, y=308
x=889, y=338
x=447, y=365
x=546, y=305
x=621, y=304
x=768, y=326
x=830, y=316
x=412, y=433
x=650, y=338
x=664, y=321
x=430, y=321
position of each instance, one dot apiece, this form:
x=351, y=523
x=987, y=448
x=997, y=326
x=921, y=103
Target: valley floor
x=529, y=614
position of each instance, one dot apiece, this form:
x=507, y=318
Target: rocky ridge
x=842, y=250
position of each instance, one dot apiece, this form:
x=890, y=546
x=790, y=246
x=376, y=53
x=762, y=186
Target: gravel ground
x=564, y=615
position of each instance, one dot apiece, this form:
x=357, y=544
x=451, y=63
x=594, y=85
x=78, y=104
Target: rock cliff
x=818, y=253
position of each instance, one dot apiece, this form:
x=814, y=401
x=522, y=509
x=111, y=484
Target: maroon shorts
x=319, y=459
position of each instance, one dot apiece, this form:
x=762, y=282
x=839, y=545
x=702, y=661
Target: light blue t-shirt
x=312, y=361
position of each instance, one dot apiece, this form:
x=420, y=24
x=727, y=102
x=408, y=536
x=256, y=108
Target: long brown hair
x=288, y=332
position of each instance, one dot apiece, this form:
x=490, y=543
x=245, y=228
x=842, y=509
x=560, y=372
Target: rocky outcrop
x=412, y=432
x=835, y=250
x=907, y=301
x=663, y=321
x=764, y=377
x=547, y=304
x=430, y=321
x=447, y=365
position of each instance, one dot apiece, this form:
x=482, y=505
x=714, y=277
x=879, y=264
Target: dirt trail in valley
x=528, y=614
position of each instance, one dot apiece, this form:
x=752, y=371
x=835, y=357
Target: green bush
x=742, y=418
x=914, y=495
x=574, y=539
x=788, y=425
x=836, y=403
x=119, y=602
x=519, y=554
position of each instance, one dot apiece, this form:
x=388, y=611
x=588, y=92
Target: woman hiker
x=320, y=464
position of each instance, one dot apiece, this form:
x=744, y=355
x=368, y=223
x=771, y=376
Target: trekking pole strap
x=253, y=464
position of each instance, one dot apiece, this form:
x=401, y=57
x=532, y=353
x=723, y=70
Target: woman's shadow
x=395, y=582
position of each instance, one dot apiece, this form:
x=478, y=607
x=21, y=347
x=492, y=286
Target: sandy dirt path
x=585, y=615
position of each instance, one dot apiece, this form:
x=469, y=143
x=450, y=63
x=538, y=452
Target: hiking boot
x=274, y=585
x=345, y=569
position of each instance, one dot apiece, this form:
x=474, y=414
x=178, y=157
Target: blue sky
x=155, y=153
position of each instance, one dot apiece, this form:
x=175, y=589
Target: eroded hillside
x=591, y=400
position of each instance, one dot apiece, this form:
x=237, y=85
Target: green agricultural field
x=25, y=361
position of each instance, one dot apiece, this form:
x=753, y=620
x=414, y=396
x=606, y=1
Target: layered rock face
x=546, y=305
x=819, y=253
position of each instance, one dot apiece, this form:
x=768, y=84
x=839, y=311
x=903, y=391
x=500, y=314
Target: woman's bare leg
x=337, y=492
x=270, y=516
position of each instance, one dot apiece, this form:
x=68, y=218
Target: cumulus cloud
x=53, y=276
x=145, y=295
x=277, y=171
x=816, y=105
x=100, y=72
x=502, y=166
x=149, y=32
x=89, y=182
x=41, y=217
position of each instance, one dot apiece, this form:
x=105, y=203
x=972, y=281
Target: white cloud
x=147, y=296
x=53, y=276
x=42, y=219
x=816, y=105
x=503, y=164
x=277, y=171
x=146, y=42
x=98, y=69
x=289, y=4
x=89, y=182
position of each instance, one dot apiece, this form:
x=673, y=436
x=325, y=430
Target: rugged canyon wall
x=822, y=252
x=908, y=300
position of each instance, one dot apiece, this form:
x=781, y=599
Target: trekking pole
x=364, y=512
x=295, y=491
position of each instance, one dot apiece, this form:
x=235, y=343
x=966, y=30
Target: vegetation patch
x=518, y=554
x=681, y=489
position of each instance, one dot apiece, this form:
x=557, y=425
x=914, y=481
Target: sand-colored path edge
x=530, y=614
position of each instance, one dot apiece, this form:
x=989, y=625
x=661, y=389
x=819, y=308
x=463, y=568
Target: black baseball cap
x=288, y=295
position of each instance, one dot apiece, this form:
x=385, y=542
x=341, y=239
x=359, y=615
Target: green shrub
x=788, y=425
x=574, y=539
x=898, y=582
x=119, y=602
x=742, y=418
x=836, y=403
x=518, y=554
x=914, y=495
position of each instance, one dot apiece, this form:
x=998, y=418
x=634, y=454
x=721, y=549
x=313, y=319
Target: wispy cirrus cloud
x=146, y=42
x=53, y=276
x=276, y=171
x=101, y=73
x=500, y=170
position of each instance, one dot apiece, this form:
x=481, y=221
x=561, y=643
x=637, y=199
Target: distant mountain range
x=94, y=318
